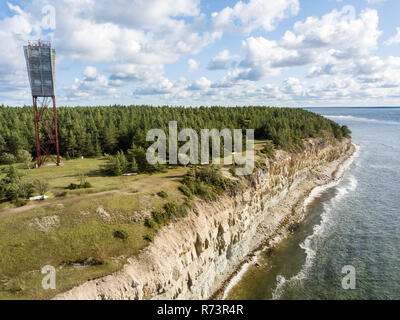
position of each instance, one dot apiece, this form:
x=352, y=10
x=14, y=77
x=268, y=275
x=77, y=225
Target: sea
x=348, y=246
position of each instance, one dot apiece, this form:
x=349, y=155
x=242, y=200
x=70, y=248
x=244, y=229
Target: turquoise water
x=355, y=223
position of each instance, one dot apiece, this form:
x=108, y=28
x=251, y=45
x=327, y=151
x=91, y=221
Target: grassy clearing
x=84, y=233
x=79, y=234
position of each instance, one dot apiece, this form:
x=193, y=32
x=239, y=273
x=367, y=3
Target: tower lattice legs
x=46, y=131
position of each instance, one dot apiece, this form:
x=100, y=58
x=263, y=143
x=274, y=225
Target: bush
x=20, y=203
x=346, y=131
x=162, y=194
x=205, y=182
x=232, y=171
x=150, y=223
x=13, y=187
x=161, y=217
x=7, y=158
x=148, y=237
x=73, y=186
x=172, y=209
x=25, y=189
x=269, y=149
x=121, y=234
x=186, y=191
x=25, y=157
x=41, y=186
x=87, y=185
x=116, y=165
x=82, y=179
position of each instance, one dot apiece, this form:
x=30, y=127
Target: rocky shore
x=198, y=256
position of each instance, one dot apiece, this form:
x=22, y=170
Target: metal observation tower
x=40, y=61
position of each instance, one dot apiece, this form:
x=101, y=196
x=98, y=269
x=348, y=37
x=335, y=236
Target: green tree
x=7, y=158
x=25, y=157
x=41, y=186
x=12, y=187
x=269, y=149
x=123, y=161
x=346, y=131
x=133, y=166
x=109, y=140
x=116, y=165
x=25, y=189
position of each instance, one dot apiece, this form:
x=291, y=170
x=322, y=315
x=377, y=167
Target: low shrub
x=150, y=223
x=186, y=191
x=20, y=203
x=121, y=234
x=161, y=217
x=172, y=209
x=73, y=186
x=87, y=185
x=205, y=182
x=148, y=237
x=162, y=194
x=269, y=149
x=232, y=171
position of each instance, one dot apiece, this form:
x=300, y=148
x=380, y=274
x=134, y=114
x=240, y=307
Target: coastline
x=198, y=257
x=337, y=176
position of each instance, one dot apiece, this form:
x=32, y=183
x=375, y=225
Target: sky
x=295, y=53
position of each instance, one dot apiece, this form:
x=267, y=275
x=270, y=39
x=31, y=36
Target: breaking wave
x=311, y=243
x=352, y=118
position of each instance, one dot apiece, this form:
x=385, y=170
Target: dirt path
x=144, y=184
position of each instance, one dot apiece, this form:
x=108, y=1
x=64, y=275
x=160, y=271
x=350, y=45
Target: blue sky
x=188, y=52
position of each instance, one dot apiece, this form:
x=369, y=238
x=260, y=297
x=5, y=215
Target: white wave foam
x=245, y=267
x=317, y=191
x=310, y=244
x=239, y=275
x=309, y=252
x=235, y=280
x=360, y=119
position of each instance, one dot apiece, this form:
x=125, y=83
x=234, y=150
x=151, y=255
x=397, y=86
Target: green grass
x=87, y=221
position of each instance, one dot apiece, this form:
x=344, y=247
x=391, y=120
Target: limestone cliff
x=193, y=257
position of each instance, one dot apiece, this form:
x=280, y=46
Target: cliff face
x=192, y=258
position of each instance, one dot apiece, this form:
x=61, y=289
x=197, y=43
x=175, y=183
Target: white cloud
x=14, y=33
x=193, y=65
x=337, y=28
x=89, y=33
x=130, y=72
x=91, y=86
x=395, y=39
x=90, y=72
x=130, y=42
x=202, y=84
x=149, y=14
x=133, y=39
x=338, y=42
x=221, y=61
x=265, y=58
x=255, y=14
x=335, y=64
x=375, y=1
x=161, y=87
